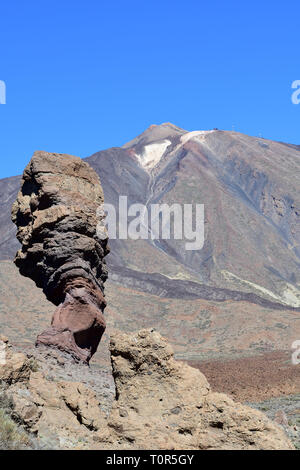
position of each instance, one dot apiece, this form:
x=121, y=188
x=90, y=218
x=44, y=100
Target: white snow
x=152, y=153
x=200, y=135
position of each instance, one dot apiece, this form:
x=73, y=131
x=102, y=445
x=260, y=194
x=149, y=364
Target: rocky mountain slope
x=250, y=189
x=237, y=295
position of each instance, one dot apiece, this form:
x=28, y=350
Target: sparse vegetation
x=12, y=437
x=33, y=364
x=6, y=402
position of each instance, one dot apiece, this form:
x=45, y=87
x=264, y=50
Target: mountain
x=250, y=190
x=239, y=294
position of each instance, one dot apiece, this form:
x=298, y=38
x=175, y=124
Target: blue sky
x=82, y=76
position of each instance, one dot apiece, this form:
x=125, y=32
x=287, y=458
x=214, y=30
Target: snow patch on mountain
x=194, y=134
x=152, y=154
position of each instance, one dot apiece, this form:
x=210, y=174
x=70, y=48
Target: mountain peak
x=171, y=126
x=154, y=133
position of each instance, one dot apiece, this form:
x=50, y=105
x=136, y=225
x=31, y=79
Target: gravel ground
x=286, y=412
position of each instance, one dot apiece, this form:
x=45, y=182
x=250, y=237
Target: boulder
x=14, y=366
x=60, y=414
x=166, y=404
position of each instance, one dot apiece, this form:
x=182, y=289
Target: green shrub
x=6, y=402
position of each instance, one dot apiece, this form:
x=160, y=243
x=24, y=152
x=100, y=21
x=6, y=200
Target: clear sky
x=82, y=76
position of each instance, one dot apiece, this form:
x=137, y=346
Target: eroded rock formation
x=160, y=404
x=165, y=404
x=62, y=414
x=63, y=248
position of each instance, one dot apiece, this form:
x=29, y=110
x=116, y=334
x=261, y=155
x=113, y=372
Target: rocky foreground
x=159, y=403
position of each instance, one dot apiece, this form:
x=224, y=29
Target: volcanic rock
x=59, y=413
x=165, y=404
x=160, y=403
x=64, y=242
x=14, y=366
